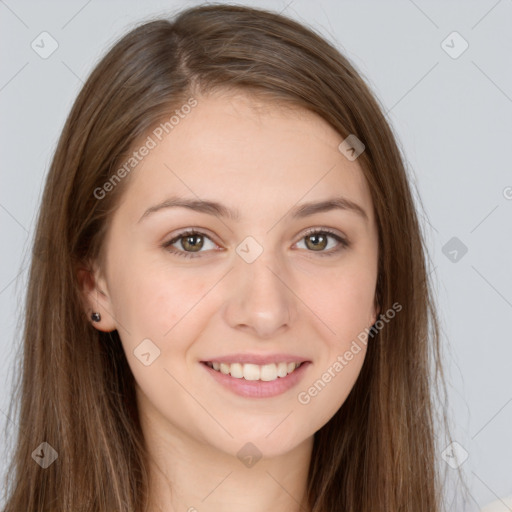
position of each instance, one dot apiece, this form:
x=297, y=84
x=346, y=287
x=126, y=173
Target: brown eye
x=192, y=243
x=316, y=241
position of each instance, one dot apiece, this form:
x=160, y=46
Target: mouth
x=250, y=380
x=255, y=372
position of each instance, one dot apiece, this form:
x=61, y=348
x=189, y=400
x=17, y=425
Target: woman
x=228, y=304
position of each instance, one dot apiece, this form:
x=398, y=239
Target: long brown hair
x=76, y=391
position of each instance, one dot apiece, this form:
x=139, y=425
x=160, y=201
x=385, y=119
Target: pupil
x=193, y=245
x=317, y=237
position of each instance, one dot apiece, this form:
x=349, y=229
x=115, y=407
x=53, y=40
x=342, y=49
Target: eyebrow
x=220, y=210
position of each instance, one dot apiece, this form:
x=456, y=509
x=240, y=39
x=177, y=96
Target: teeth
x=236, y=370
x=282, y=369
x=266, y=372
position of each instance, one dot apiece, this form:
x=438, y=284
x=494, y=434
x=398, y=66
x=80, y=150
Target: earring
x=95, y=317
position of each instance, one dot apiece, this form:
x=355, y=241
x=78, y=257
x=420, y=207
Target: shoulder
x=501, y=505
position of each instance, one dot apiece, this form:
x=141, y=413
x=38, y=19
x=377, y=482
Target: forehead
x=248, y=153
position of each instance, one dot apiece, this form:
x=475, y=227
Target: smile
x=250, y=380
x=247, y=371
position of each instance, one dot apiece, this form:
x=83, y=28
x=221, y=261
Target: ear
x=95, y=297
x=376, y=311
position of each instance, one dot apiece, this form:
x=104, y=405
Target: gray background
x=452, y=116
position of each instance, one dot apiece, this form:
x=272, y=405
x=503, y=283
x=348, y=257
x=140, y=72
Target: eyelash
x=314, y=231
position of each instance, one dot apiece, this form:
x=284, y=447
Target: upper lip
x=258, y=359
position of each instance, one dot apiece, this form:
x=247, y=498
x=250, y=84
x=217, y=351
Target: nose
x=262, y=302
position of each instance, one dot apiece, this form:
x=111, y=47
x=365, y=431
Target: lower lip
x=258, y=388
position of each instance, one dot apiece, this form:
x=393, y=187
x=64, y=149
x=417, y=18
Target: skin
x=263, y=160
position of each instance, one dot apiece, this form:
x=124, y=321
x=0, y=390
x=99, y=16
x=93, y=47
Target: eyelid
x=325, y=229
x=192, y=231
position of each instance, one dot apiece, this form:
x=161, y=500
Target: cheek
x=164, y=307
x=158, y=302
x=345, y=305
x=344, y=301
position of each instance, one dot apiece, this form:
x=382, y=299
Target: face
x=261, y=282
